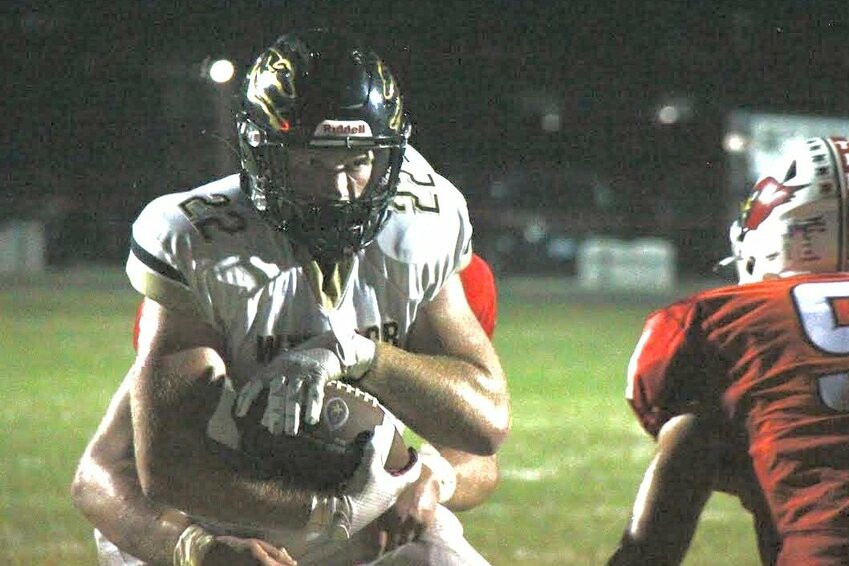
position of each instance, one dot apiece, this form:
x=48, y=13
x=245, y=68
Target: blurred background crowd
x=560, y=121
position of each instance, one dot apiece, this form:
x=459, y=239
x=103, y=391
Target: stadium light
x=668, y=114
x=674, y=110
x=551, y=122
x=735, y=142
x=221, y=71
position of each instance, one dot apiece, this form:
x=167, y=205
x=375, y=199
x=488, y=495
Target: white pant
x=442, y=544
x=110, y=555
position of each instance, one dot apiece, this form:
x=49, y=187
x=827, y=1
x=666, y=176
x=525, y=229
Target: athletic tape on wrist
x=329, y=517
x=192, y=546
x=443, y=472
x=365, y=350
x=319, y=512
x=355, y=351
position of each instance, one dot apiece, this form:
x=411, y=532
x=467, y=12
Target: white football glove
x=368, y=494
x=296, y=379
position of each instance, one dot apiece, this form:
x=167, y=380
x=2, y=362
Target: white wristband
x=357, y=355
x=443, y=472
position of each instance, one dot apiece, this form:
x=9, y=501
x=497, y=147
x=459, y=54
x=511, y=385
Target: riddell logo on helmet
x=343, y=128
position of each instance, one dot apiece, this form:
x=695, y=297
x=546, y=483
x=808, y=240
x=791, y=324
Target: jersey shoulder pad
x=183, y=213
x=428, y=228
x=654, y=370
x=428, y=216
x=178, y=233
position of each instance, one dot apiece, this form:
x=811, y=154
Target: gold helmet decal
x=386, y=80
x=390, y=93
x=272, y=77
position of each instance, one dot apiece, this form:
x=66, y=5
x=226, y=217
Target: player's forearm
x=442, y=398
x=106, y=490
x=173, y=398
x=206, y=490
x=477, y=478
x=113, y=501
x=670, y=499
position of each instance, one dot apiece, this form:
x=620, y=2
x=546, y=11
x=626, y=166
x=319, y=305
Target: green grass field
x=570, y=467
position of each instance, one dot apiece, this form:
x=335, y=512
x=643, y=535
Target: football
x=322, y=456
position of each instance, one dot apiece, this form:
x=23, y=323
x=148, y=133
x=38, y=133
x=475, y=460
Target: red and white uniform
x=774, y=357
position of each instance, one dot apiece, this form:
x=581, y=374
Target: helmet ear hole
x=750, y=265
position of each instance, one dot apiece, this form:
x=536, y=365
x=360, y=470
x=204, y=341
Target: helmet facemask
x=329, y=228
x=320, y=91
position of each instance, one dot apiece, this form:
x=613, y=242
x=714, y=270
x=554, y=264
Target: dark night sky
x=101, y=106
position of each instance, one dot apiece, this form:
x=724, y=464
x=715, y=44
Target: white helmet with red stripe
x=795, y=220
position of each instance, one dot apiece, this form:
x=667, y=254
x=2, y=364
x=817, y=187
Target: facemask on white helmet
x=794, y=222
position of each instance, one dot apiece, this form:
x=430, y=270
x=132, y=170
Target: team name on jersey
x=267, y=347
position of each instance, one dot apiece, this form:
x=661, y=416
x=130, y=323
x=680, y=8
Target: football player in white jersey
x=334, y=254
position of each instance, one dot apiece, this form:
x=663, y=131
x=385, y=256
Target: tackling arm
x=449, y=387
x=107, y=491
x=675, y=488
x=106, y=487
x=695, y=455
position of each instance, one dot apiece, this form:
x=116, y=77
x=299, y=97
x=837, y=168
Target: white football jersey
x=208, y=252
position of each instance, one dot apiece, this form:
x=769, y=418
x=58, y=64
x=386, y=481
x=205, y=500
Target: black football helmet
x=319, y=89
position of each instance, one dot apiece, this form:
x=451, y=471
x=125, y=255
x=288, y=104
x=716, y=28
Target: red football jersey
x=479, y=285
x=774, y=357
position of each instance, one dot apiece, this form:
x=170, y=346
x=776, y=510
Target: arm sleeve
x=429, y=230
x=481, y=293
x=665, y=373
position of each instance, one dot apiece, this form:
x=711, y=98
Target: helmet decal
x=387, y=81
x=272, y=76
x=395, y=120
x=390, y=92
x=767, y=195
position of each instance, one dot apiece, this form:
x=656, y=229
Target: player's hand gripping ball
x=322, y=456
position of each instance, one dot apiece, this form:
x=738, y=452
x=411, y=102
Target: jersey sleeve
x=462, y=249
x=162, y=264
x=479, y=286
x=428, y=228
x=456, y=226
x=666, y=372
